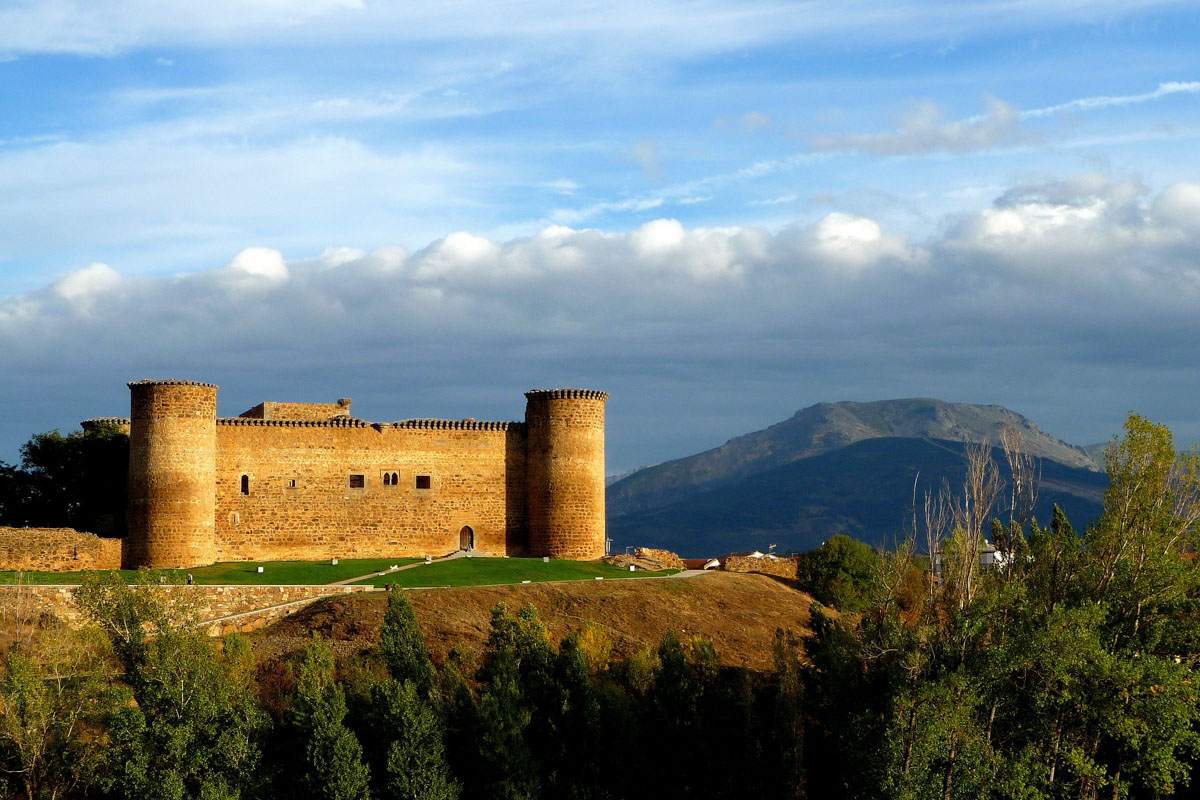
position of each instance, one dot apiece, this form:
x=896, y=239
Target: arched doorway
x=466, y=538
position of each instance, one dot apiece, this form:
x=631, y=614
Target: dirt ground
x=739, y=612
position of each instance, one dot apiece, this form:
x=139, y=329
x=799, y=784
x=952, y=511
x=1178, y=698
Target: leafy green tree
x=416, y=767
x=403, y=646
x=52, y=701
x=507, y=767
x=333, y=767
x=838, y=572
x=75, y=481
x=191, y=724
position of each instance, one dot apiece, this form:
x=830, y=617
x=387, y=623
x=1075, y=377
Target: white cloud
x=647, y=28
x=925, y=130
x=82, y=286
x=259, y=263
x=1106, y=101
x=1086, y=280
x=1179, y=204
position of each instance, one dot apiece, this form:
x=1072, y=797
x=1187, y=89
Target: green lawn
x=274, y=572
x=481, y=571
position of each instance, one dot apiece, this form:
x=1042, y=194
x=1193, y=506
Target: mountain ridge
x=827, y=427
x=864, y=490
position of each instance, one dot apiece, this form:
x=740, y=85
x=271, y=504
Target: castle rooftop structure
x=306, y=481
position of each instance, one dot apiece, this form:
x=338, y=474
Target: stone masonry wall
x=216, y=602
x=566, y=472
x=172, y=450
x=299, y=411
x=780, y=567
x=56, y=550
x=668, y=559
x=302, y=503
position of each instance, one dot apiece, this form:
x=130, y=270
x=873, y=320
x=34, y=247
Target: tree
x=52, y=702
x=838, y=572
x=403, y=647
x=332, y=756
x=75, y=481
x=190, y=724
x=416, y=767
x=508, y=767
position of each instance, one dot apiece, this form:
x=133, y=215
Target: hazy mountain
x=826, y=428
x=864, y=490
x=1096, y=451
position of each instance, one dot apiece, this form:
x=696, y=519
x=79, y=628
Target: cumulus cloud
x=925, y=129
x=1083, y=287
x=259, y=263
x=83, y=286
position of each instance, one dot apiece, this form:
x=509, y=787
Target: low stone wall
x=668, y=559
x=56, y=550
x=226, y=607
x=780, y=567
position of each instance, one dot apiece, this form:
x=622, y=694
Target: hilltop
x=833, y=468
x=826, y=427
x=739, y=612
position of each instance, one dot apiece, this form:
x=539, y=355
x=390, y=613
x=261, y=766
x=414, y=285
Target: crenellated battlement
x=104, y=421
x=334, y=422
x=146, y=382
x=354, y=422
x=456, y=425
x=566, y=394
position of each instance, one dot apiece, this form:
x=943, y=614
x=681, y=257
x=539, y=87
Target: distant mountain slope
x=1097, y=451
x=863, y=490
x=824, y=428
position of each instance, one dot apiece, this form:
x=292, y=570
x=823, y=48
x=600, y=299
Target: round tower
x=172, y=474
x=565, y=472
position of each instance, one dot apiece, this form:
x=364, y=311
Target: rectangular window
x=290, y=483
x=358, y=481
x=423, y=482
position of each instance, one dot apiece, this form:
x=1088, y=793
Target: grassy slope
x=274, y=572
x=863, y=490
x=486, y=571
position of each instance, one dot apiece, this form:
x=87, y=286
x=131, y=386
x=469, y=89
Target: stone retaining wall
x=780, y=567
x=56, y=550
x=668, y=559
x=249, y=606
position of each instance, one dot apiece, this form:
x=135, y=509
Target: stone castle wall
x=312, y=412
x=172, y=471
x=566, y=472
x=56, y=550
x=305, y=481
x=302, y=497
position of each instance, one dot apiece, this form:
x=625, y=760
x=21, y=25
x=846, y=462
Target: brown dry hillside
x=738, y=612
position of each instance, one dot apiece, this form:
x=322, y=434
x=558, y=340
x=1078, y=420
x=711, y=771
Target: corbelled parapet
x=565, y=472
x=172, y=473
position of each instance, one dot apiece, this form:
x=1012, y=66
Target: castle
x=306, y=481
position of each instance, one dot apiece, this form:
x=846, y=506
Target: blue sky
x=718, y=211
